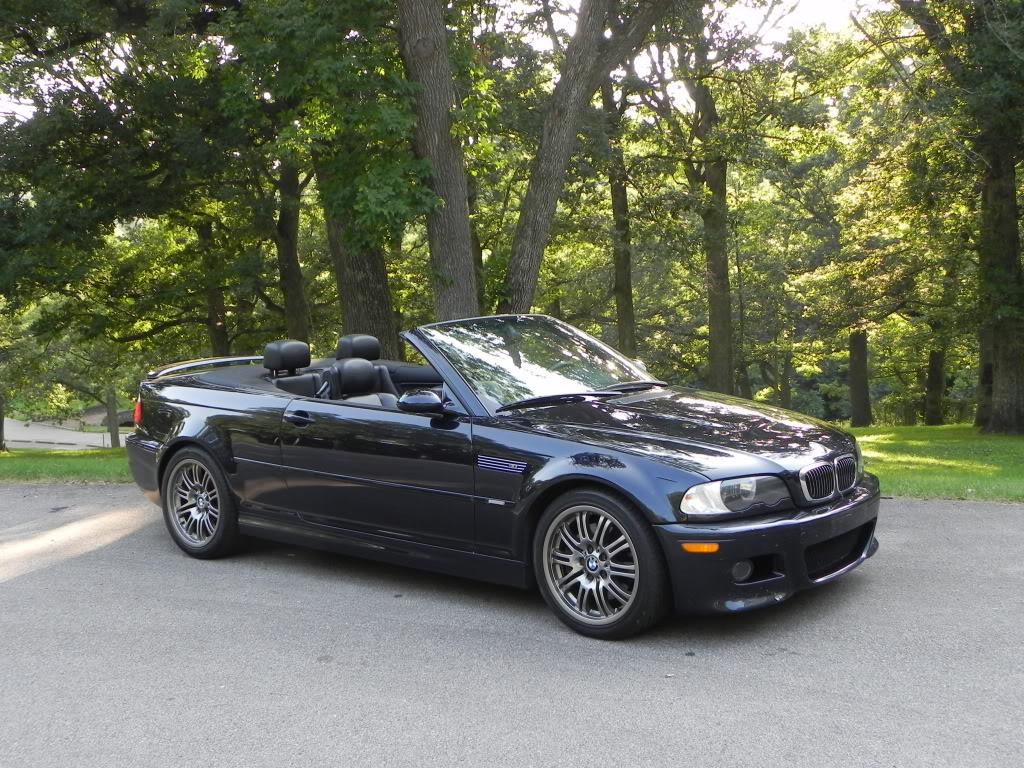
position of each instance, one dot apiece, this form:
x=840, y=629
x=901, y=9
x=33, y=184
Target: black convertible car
x=518, y=450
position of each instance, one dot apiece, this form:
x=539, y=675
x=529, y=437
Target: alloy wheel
x=194, y=502
x=590, y=564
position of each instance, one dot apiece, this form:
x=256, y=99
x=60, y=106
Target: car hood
x=716, y=435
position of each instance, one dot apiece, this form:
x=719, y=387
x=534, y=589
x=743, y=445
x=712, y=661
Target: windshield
x=517, y=357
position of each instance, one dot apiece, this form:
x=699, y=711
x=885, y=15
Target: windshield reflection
x=517, y=357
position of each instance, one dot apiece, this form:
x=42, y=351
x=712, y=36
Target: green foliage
x=140, y=200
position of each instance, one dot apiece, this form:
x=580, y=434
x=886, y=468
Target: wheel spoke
x=602, y=600
x=564, y=559
x=564, y=535
x=617, y=592
x=567, y=580
x=603, y=524
x=619, y=545
x=625, y=571
x=581, y=525
x=581, y=599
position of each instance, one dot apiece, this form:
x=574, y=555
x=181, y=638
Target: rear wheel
x=198, y=507
x=599, y=566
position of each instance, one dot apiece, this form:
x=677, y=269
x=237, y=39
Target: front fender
x=649, y=486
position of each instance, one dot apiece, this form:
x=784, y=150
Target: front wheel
x=198, y=507
x=598, y=565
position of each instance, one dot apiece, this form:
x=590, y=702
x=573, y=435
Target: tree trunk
x=860, y=396
x=707, y=179
x=786, y=382
x=216, y=311
x=1002, y=283
x=478, y=251
x=423, y=41
x=743, y=378
x=113, y=428
x=286, y=239
x=217, y=323
x=984, y=395
x=935, y=387
x=622, y=254
x=585, y=66
x=364, y=293
x=716, y=250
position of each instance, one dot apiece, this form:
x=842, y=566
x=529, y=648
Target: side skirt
x=454, y=562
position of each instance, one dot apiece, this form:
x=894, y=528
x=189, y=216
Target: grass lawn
x=952, y=462
x=101, y=465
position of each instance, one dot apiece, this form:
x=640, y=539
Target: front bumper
x=788, y=554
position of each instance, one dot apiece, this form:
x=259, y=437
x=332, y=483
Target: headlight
x=860, y=459
x=739, y=497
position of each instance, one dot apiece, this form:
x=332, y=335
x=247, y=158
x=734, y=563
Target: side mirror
x=420, y=401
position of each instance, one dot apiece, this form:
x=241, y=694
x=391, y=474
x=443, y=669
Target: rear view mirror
x=642, y=364
x=420, y=401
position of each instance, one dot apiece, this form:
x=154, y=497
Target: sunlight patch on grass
x=952, y=462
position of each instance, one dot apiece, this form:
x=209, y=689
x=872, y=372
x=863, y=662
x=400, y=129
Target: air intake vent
x=846, y=473
x=818, y=481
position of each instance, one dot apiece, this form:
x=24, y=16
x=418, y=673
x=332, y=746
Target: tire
x=599, y=566
x=199, y=510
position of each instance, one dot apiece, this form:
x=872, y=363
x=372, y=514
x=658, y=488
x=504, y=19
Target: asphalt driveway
x=118, y=650
x=20, y=434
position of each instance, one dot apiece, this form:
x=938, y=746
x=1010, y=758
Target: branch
x=128, y=17
x=159, y=328
x=937, y=36
x=80, y=388
x=620, y=46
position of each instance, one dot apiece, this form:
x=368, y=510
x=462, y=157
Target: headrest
x=286, y=355
x=358, y=345
x=356, y=376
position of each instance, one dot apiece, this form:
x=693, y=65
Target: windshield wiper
x=635, y=386
x=565, y=397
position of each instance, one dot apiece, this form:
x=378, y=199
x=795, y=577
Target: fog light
x=742, y=570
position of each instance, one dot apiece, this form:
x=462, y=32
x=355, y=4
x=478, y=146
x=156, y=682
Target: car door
x=380, y=471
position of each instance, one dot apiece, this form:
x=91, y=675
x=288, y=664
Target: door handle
x=299, y=418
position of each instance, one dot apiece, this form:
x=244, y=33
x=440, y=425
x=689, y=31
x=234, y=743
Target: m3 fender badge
x=501, y=465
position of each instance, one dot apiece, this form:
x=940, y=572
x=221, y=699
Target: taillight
x=138, y=412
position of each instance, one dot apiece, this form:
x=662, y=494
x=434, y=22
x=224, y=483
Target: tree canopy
x=828, y=222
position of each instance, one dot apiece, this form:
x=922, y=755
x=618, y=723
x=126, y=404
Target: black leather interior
x=357, y=380
x=410, y=375
x=286, y=355
x=395, y=376
x=358, y=345
x=302, y=384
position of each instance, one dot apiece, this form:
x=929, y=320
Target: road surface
x=118, y=650
x=19, y=435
